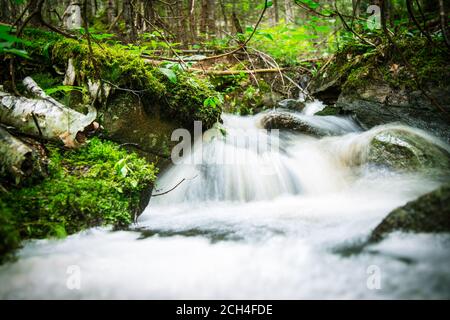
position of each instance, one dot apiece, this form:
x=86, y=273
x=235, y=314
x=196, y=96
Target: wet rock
x=291, y=104
x=403, y=149
x=128, y=121
x=287, y=121
x=330, y=111
x=428, y=213
x=377, y=103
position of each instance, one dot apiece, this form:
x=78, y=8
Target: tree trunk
x=34, y=5
x=44, y=117
x=72, y=16
x=149, y=13
x=211, y=18
x=111, y=11
x=204, y=17
x=288, y=11
x=128, y=14
x=276, y=14
x=18, y=160
x=192, y=21
x=224, y=15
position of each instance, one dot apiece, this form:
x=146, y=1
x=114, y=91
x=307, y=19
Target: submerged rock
x=403, y=149
x=287, y=121
x=428, y=213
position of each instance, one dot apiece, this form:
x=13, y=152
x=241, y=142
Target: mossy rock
x=185, y=98
x=138, y=124
x=329, y=111
x=428, y=213
x=402, y=149
x=98, y=184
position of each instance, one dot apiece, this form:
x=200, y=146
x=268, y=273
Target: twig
x=166, y=192
x=233, y=72
x=36, y=123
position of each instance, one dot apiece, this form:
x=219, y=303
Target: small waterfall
x=245, y=163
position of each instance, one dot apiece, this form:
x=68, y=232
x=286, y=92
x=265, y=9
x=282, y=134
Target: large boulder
x=403, y=148
x=140, y=127
x=428, y=213
x=378, y=103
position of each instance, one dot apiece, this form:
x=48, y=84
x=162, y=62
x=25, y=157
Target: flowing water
x=263, y=216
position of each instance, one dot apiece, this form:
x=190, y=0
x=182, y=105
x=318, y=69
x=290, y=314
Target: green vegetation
x=99, y=184
x=184, y=94
x=409, y=63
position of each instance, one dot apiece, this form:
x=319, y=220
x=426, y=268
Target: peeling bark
x=70, y=76
x=18, y=160
x=45, y=117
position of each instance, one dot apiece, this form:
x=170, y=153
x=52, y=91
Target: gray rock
x=291, y=104
x=126, y=120
x=287, y=121
x=402, y=149
x=428, y=213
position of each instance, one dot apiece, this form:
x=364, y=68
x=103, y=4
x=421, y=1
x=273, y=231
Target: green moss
x=358, y=78
x=429, y=213
x=9, y=235
x=182, y=100
x=425, y=65
x=99, y=184
x=188, y=97
x=329, y=111
x=111, y=63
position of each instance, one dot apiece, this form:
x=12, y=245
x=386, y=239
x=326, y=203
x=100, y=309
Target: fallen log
x=44, y=117
x=18, y=160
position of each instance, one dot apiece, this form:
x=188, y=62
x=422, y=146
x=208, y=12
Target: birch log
x=45, y=117
x=17, y=159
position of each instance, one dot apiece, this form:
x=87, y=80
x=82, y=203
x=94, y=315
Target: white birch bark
x=44, y=116
x=16, y=158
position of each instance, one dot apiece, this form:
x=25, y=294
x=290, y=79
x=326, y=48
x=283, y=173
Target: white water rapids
x=285, y=223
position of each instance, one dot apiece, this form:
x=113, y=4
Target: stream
x=273, y=217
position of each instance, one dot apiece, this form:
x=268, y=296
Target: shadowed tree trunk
x=211, y=18
x=111, y=11
x=33, y=6
x=192, y=21
x=128, y=15
x=204, y=17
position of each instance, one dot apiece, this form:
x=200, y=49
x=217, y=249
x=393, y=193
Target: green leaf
x=59, y=231
x=269, y=4
x=134, y=183
x=170, y=74
x=16, y=52
x=64, y=89
x=124, y=171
